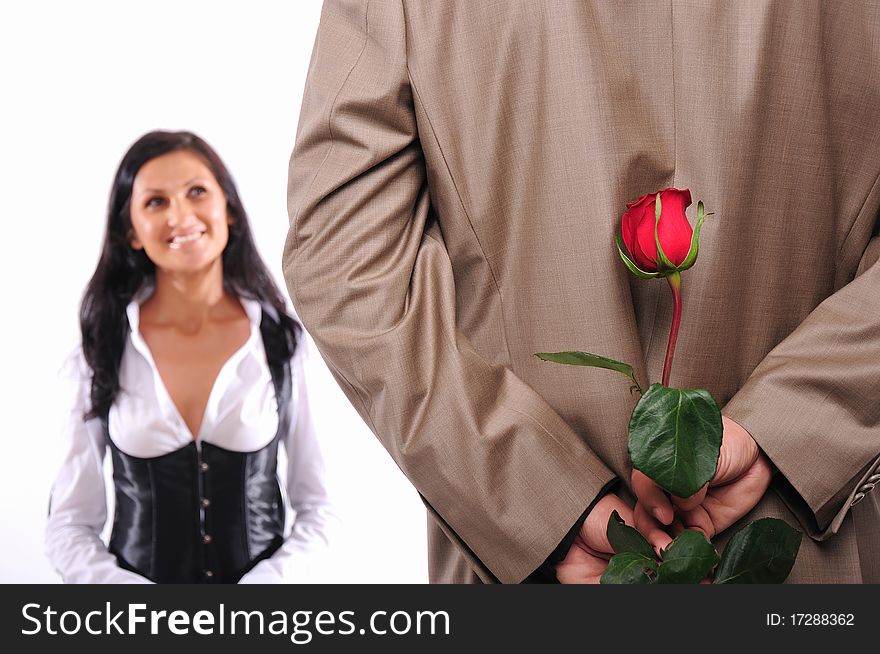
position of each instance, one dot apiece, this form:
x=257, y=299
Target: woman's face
x=178, y=213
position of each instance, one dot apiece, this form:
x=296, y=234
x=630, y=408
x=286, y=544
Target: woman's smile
x=182, y=241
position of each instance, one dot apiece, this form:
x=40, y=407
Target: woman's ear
x=133, y=241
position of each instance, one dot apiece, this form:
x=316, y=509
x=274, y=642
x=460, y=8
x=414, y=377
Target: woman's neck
x=189, y=301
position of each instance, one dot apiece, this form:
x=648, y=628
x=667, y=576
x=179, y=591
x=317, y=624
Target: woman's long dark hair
x=122, y=270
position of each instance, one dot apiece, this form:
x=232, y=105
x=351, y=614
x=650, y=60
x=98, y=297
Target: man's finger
x=697, y=518
x=676, y=527
x=652, y=496
x=594, y=531
x=688, y=503
x=580, y=566
x=727, y=504
x=651, y=529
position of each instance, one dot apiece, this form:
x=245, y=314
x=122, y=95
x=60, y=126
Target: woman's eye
x=154, y=203
x=197, y=191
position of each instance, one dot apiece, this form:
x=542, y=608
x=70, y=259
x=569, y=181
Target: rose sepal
x=667, y=266
x=633, y=268
x=691, y=257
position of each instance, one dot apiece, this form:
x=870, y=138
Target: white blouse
x=241, y=415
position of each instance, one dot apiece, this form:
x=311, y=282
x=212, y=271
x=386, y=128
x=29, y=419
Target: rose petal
x=645, y=234
x=674, y=230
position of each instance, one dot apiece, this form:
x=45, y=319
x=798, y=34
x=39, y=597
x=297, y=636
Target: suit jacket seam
x=658, y=293
x=674, y=112
x=861, y=211
x=483, y=256
x=320, y=167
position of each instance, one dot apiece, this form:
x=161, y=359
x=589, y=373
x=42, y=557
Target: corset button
x=204, y=467
x=206, y=539
x=205, y=502
x=209, y=573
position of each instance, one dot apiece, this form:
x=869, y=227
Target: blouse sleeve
x=78, y=504
x=304, y=553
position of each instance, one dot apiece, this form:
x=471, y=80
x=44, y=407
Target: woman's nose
x=179, y=211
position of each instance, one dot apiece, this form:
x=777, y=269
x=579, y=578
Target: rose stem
x=675, y=285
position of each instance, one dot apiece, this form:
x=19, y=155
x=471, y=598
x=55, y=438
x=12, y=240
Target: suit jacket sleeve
x=372, y=281
x=812, y=403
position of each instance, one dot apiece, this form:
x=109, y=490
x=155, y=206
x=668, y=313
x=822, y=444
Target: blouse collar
x=252, y=308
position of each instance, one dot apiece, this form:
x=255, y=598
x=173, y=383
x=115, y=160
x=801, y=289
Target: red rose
x=673, y=231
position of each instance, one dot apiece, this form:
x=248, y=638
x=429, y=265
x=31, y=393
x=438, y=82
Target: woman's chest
x=238, y=412
x=190, y=365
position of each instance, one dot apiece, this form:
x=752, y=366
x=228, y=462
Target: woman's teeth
x=179, y=241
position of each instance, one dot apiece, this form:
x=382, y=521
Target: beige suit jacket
x=458, y=177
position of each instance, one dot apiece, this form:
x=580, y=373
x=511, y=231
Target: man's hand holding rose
x=741, y=479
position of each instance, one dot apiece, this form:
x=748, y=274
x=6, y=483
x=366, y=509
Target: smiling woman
x=191, y=374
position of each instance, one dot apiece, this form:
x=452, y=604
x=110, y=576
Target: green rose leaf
x=594, y=360
x=629, y=568
x=624, y=538
x=688, y=560
x=761, y=553
x=675, y=437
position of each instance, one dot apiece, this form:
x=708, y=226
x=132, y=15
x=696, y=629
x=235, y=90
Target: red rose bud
x=673, y=230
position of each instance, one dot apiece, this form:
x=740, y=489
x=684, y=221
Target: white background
x=79, y=82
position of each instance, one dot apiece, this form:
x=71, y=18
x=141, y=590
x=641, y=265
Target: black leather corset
x=203, y=514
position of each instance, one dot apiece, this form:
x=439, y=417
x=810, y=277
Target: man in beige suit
x=459, y=174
